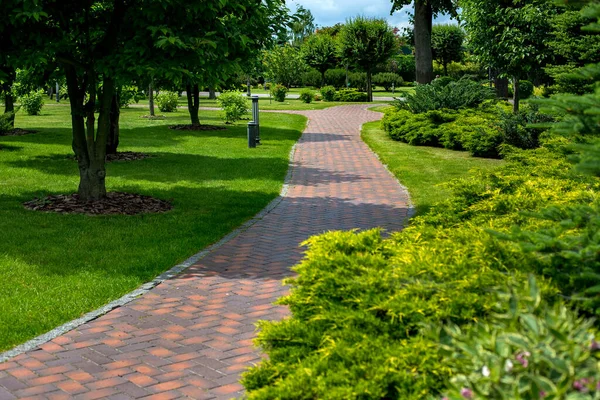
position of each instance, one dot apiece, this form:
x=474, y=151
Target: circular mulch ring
x=197, y=128
x=126, y=156
x=115, y=203
x=18, y=132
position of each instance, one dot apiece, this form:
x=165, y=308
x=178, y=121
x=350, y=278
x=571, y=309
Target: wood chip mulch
x=18, y=132
x=126, y=156
x=115, y=203
x=197, y=128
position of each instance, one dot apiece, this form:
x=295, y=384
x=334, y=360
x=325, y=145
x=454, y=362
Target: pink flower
x=522, y=358
x=581, y=385
x=595, y=346
x=543, y=394
x=466, y=393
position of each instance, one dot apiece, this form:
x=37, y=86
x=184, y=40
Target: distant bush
x=358, y=80
x=336, y=78
x=350, y=95
x=443, y=81
x=234, y=104
x=33, y=102
x=307, y=95
x=167, y=101
x=405, y=67
x=438, y=95
x=279, y=92
x=525, y=89
x=386, y=79
x=311, y=78
x=328, y=93
x=128, y=95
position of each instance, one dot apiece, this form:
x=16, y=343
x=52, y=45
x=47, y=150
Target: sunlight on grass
x=56, y=267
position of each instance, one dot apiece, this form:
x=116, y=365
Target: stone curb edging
x=146, y=287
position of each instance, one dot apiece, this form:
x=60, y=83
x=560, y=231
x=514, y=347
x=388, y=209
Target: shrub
x=336, y=77
x=328, y=93
x=350, y=95
x=386, y=79
x=527, y=349
x=517, y=128
x=267, y=86
x=443, y=81
x=358, y=80
x=167, y=101
x=525, y=89
x=436, y=96
x=311, y=78
x=307, y=95
x=234, y=104
x=278, y=92
x=405, y=67
x=33, y=102
x=6, y=122
x=129, y=95
x=318, y=97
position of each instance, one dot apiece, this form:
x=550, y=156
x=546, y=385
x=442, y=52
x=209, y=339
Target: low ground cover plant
x=350, y=95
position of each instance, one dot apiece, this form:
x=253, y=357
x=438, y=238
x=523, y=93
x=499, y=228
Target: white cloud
x=330, y=12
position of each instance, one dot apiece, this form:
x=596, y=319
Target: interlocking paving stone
x=191, y=336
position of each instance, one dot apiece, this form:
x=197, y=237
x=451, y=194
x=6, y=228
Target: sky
x=330, y=12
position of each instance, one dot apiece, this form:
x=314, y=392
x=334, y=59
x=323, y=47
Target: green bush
x=358, y=80
x=527, y=349
x=307, y=95
x=350, y=95
x=443, y=81
x=311, y=78
x=234, y=104
x=336, y=77
x=525, y=89
x=405, y=67
x=438, y=95
x=6, y=122
x=278, y=92
x=328, y=93
x=128, y=95
x=167, y=101
x=386, y=79
x=33, y=102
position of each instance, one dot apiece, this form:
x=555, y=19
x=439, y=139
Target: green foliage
x=311, y=78
x=527, y=350
x=336, y=77
x=6, y=123
x=328, y=93
x=405, y=67
x=234, y=104
x=279, y=92
x=447, y=44
x=438, y=95
x=571, y=79
x=366, y=42
x=358, y=80
x=519, y=129
x=284, y=65
x=386, y=79
x=525, y=89
x=307, y=95
x=350, y=95
x=33, y=102
x=167, y=101
x=129, y=94
x=320, y=52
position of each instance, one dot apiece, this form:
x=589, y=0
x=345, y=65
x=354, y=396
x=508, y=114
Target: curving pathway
x=191, y=336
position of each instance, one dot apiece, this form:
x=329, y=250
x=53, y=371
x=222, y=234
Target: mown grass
x=54, y=268
x=423, y=170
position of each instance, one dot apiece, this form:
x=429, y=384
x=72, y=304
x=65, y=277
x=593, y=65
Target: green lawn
x=56, y=267
x=423, y=170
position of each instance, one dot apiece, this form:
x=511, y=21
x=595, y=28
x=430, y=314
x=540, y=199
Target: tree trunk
x=249, y=93
x=369, y=87
x=193, y=100
x=113, y=135
x=501, y=87
x=9, y=108
x=323, y=78
x=445, y=69
x=151, y=99
x=515, y=95
x=211, y=94
x=423, y=54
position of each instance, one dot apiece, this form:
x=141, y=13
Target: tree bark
x=211, y=94
x=151, y=99
x=323, y=78
x=369, y=87
x=515, y=95
x=423, y=54
x=112, y=143
x=501, y=87
x=9, y=108
x=193, y=100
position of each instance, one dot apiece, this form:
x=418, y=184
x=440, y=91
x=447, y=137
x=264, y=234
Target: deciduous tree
x=447, y=44
x=320, y=51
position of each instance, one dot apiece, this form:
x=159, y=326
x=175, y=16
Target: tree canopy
x=320, y=52
x=447, y=44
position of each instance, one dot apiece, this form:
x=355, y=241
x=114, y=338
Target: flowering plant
x=527, y=349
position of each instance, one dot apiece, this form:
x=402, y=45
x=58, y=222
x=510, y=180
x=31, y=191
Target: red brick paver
x=192, y=335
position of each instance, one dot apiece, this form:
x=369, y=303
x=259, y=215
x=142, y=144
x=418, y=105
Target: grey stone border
x=146, y=287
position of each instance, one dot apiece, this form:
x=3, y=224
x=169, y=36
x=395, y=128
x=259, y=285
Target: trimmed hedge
x=350, y=95
x=363, y=308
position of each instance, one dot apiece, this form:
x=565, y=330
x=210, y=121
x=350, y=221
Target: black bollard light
x=255, y=117
x=252, y=134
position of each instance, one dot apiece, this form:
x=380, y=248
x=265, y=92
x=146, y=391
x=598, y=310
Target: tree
x=320, y=52
x=447, y=44
x=509, y=36
x=367, y=42
x=302, y=25
x=284, y=65
x=424, y=11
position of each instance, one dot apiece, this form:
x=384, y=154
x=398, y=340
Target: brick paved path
x=191, y=336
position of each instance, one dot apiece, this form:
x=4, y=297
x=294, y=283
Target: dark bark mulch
x=115, y=203
x=197, y=128
x=153, y=117
x=126, y=156
x=17, y=132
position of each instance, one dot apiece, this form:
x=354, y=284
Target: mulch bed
x=126, y=156
x=115, y=203
x=18, y=132
x=154, y=117
x=197, y=128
